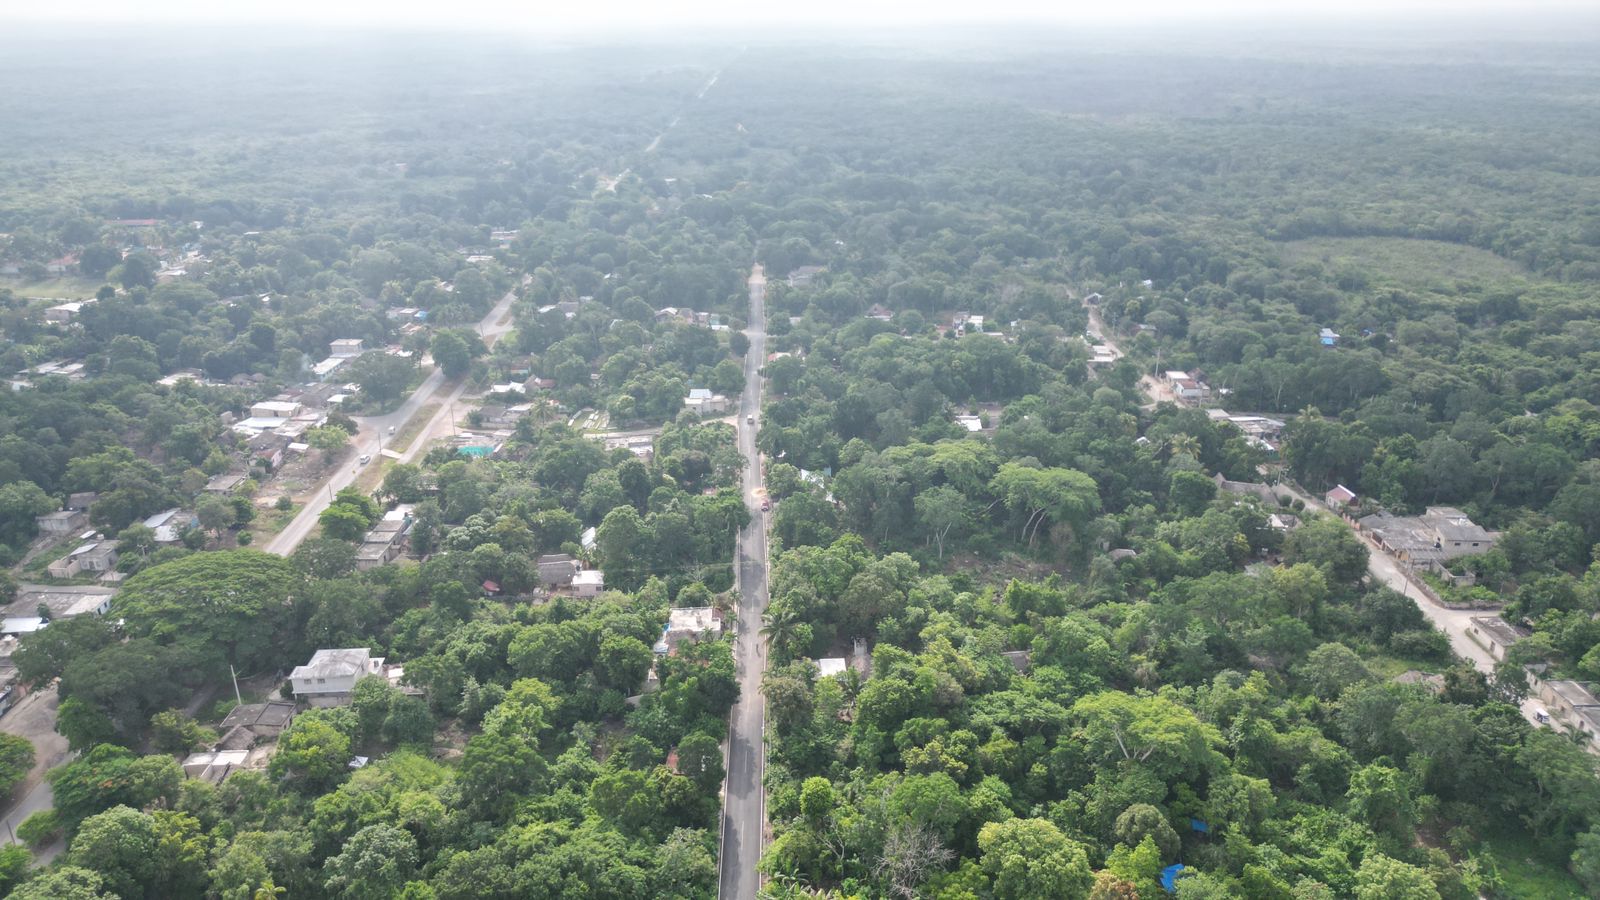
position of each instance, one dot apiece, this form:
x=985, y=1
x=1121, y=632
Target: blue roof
x=1169, y=877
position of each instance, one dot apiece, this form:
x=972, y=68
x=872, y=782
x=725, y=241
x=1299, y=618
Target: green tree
x=313, y=752
x=1325, y=542
x=374, y=864
x=451, y=353
x=328, y=441
x=1383, y=798
x=215, y=608
x=16, y=760
x=44, y=654
x=64, y=883
x=1028, y=858
x=83, y=724
x=1190, y=492
x=382, y=377
x=120, y=845
x=942, y=512
x=1142, y=820
x=622, y=663
x=215, y=514
x=1331, y=668
x=343, y=523
x=700, y=758
x=1385, y=878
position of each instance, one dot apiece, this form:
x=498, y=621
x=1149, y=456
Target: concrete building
x=829, y=666
x=89, y=557
x=170, y=524
x=1574, y=703
x=688, y=624
x=1493, y=634
x=62, y=522
x=384, y=543
x=1439, y=535
x=60, y=602
x=274, y=409
x=1189, y=389
x=701, y=401
x=331, y=675
x=224, y=484
x=345, y=348
x=1339, y=498
x=588, y=583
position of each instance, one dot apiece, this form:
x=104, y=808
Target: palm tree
x=1183, y=443
x=780, y=626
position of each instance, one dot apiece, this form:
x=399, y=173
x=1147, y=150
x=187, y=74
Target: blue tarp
x=1169, y=877
x=1197, y=825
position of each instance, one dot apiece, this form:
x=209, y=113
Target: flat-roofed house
x=331, y=675
x=63, y=521
x=1574, y=703
x=588, y=583
x=274, y=409
x=692, y=623
x=1493, y=634
x=90, y=556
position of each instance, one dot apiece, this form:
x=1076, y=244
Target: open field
x=1409, y=261
x=64, y=288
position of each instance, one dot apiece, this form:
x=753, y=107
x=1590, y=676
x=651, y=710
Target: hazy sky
x=568, y=16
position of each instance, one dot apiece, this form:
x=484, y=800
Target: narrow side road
x=744, y=808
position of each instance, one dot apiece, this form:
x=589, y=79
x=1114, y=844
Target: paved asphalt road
x=744, y=801
x=369, y=440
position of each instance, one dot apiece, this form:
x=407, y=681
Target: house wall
x=310, y=688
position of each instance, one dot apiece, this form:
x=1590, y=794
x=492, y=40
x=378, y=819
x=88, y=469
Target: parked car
x=366, y=458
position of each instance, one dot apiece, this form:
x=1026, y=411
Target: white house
x=703, y=402
x=345, y=347
x=688, y=624
x=331, y=675
x=274, y=409
x=588, y=583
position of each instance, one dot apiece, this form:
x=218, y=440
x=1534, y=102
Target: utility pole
x=235, y=675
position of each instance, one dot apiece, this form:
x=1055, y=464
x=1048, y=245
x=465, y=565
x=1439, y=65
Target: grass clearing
x=1409, y=261
x=1531, y=870
x=64, y=288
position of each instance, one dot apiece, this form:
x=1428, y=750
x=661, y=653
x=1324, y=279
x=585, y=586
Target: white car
x=366, y=458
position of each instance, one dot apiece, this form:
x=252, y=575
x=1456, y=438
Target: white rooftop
x=21, y=624
x=693, y=618
x=589, y=577
x=338, y=663
x=829, y=666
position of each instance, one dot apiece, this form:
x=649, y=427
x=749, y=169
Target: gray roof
x=1498, y=629
x=272, y=714
x=1575, y=693
x=335, y=663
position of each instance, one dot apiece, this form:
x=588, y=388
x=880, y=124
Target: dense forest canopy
x=1072, y=665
